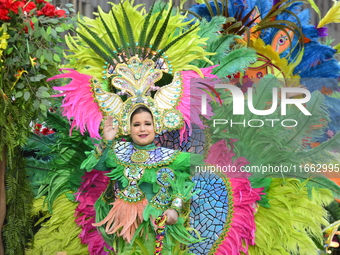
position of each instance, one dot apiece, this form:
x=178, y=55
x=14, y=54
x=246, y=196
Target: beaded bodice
x=136, y=161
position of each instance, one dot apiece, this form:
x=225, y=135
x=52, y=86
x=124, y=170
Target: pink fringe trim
x=78, y=104
x=241, y=232
x=124, y=218
x=94, y=183
x=190, y=103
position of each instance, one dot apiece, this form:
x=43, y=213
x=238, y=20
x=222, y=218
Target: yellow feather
x=332, y=16
x=282, y=63
x=293, y=218
x=60, y=232
x=337, y=48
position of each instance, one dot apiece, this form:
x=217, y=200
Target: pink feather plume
x=79, y=105
x=94, y=183
x=190, y=102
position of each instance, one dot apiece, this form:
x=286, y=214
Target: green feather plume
x=236, y=61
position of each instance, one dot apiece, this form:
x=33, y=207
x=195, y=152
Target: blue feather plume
x=203, y=11
x=263, y=6
x=314, y=54
x=326, y=69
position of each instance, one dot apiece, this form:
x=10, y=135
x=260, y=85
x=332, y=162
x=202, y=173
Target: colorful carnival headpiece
x=129, y=58
x=137, y=79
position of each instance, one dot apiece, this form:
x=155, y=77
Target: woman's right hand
x=109, y=131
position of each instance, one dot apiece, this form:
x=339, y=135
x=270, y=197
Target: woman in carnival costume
x=128, y=58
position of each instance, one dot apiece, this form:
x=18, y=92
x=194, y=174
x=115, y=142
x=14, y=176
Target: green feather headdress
x=126, y=31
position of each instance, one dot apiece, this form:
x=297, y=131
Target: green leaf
x=38, y=77
x=20, y=85
x=59, y=50
x=9, y=50
x=56, y=58
x=49, y=56
x=54, y=21
x=64, y=26
x=46, y=94
x=38, y=53
x=59, y=29
x=42, y=58
x=43, y=67
x=36, y=104
x=48, y=30
x=27, y=95
x=37, y=33
x=43, y=107
x=18, y=94
x=43, y=32
x=42, y=89
x=45, y=102
x=53, y=33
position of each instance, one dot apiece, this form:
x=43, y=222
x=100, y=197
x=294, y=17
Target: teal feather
x=321, y=182
x=38, y=171
x=265, y=184
x=221, y=47
x=160, y=53
x=180, y=233
x=210, y=29
x=334, y=211
x=39, y=144
x=128, y=30
x=108, y=31
x=101, y=42
x=316, y=106
x=56, y=120
x=121, y=37
x=96, y=49
x=160, y=34
x=152, y=32
x=146, y=23
x=323, y=151
x=65, y=154
x=236, y=61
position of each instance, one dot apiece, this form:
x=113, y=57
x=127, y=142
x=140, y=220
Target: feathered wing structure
x=190, y=101
x=85, y=213
x=239, y=225
x=112, y=39
x=277, y=146
x=79, y=105
x=299, y=52
x=236, y=213
x=60, y=232
x=287, y=225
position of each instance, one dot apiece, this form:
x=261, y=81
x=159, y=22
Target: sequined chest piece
x=135, y=161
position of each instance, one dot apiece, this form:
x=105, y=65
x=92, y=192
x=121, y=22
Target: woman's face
x=142, y=131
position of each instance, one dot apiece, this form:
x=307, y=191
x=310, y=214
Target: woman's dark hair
x=140, y=109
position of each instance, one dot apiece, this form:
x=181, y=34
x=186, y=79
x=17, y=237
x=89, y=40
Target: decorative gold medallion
x=140, y=156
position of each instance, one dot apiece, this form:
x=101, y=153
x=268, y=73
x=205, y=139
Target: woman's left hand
x=171, y=217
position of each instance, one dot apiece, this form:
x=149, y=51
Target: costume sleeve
x=97, y=158
x=182, y=186
x=182, y=192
